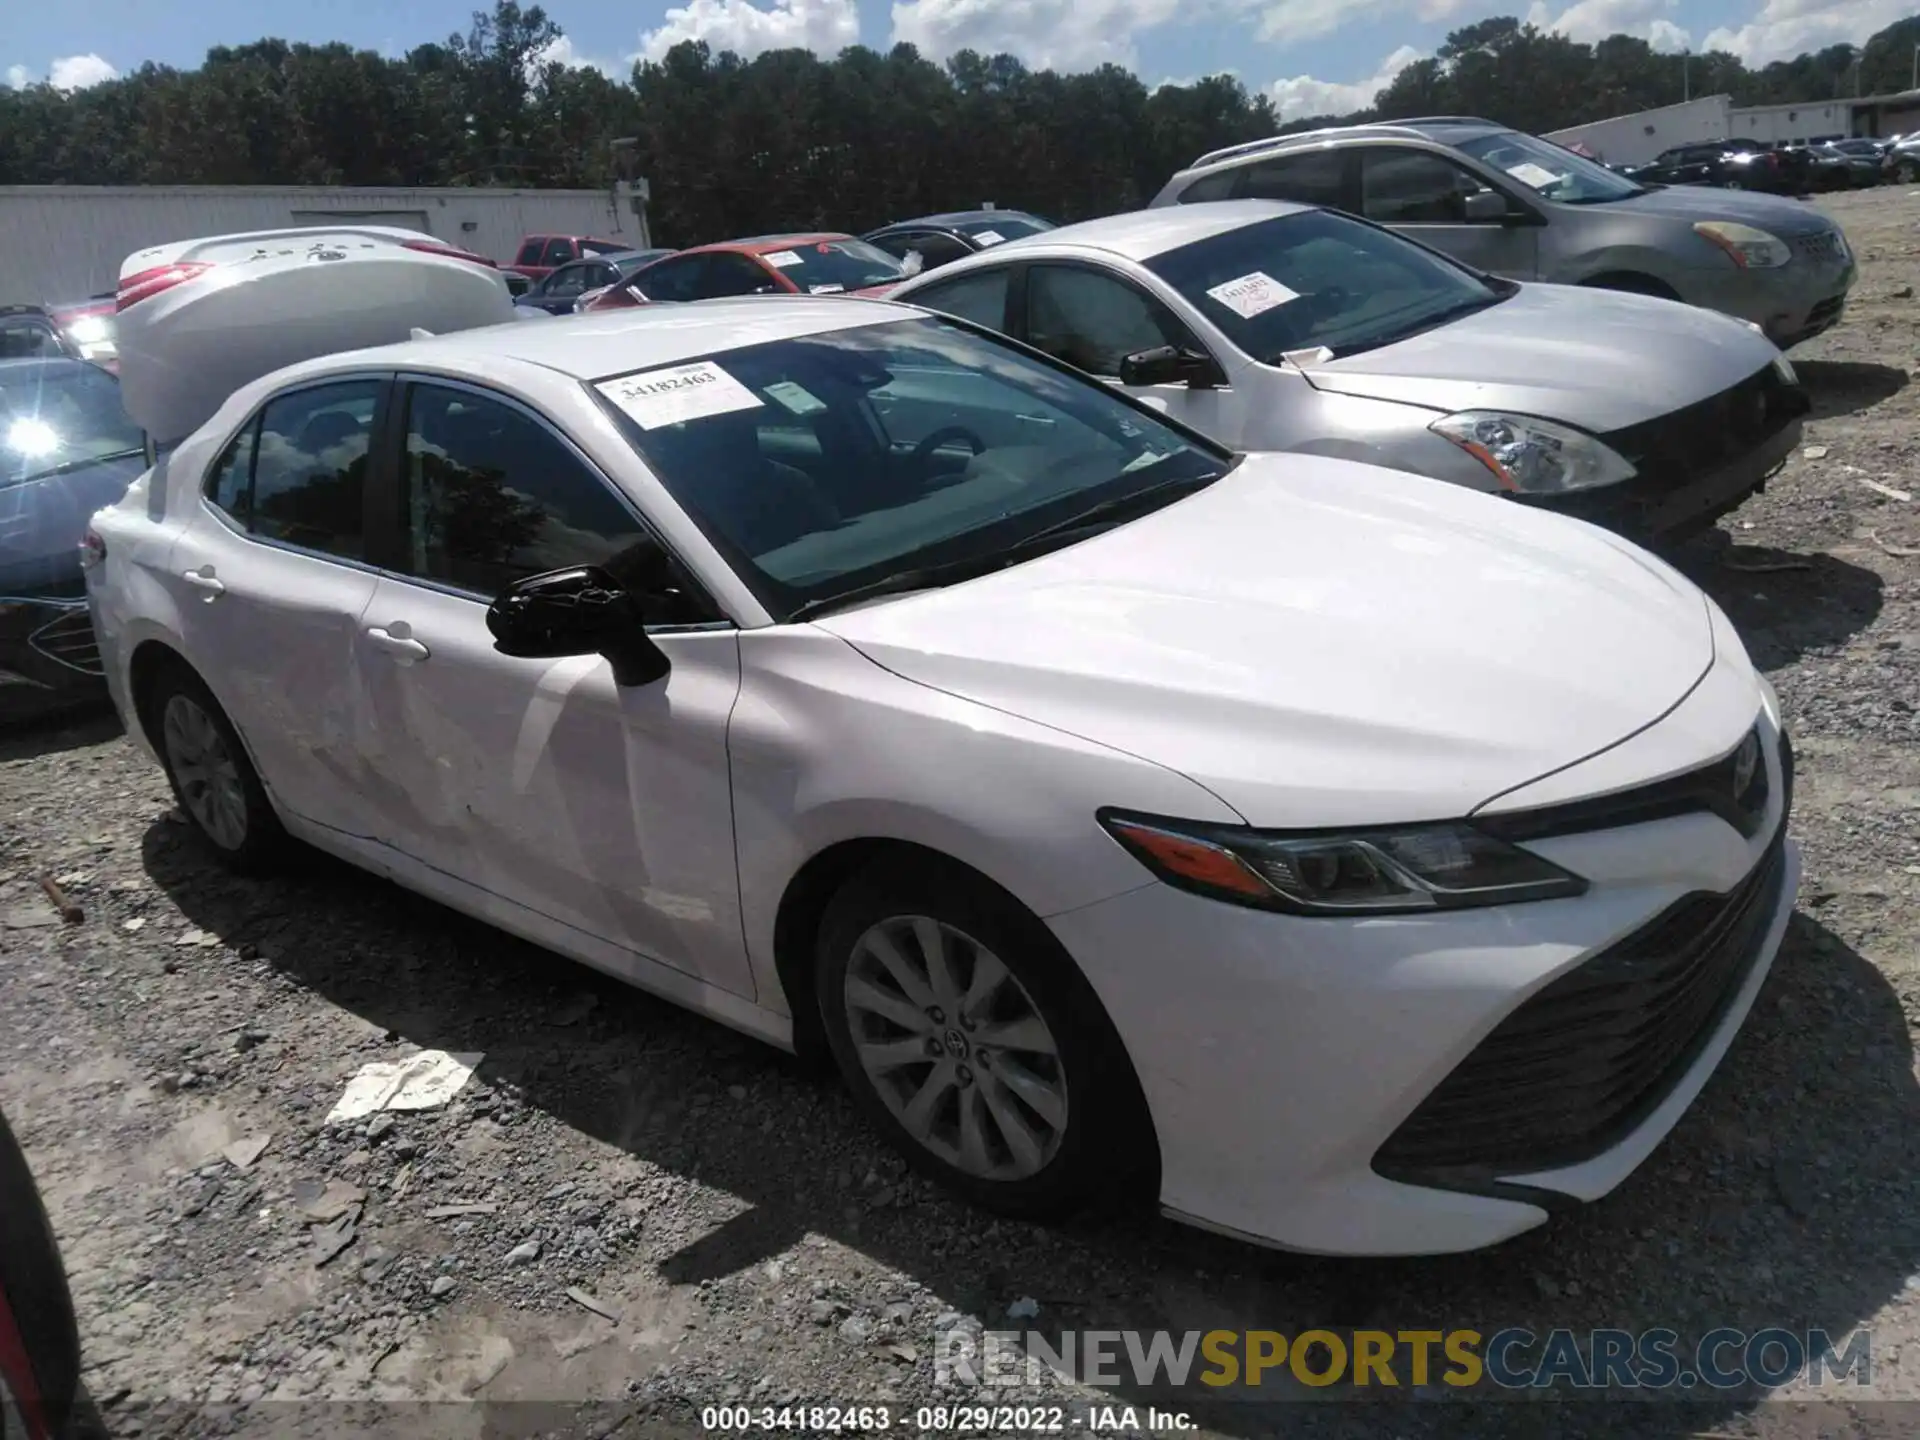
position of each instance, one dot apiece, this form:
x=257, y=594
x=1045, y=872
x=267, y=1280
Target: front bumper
x=48, y=658
x=1279, y=1056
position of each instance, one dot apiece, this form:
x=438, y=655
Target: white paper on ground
x=683, y=392
x=421, y=1082
x=781, y=259
x=1253, y=294
x=1532, y=174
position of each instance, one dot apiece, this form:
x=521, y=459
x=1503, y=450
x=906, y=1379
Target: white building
x=65, y=242
x=1635, y=139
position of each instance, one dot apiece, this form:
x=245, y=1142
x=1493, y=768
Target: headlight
x=1533, y=457
x=1747, y=247
x=1449, y=866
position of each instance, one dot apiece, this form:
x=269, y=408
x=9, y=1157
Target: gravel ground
x=747, y=1237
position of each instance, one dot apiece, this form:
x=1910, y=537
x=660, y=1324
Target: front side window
x=493, y=496
x=565, y=283
x=1093, y=320
x=530, y=252
x=822, y=267
x=1411, y=187
x=1317, y=278
x=60, y=415
x=728, y=275
x=307, y=480
x=1553, y=172
x=924, y=444
x=676, y=279
x=980, y=297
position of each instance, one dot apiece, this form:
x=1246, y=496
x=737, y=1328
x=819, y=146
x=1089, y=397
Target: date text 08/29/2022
x=945, y=1419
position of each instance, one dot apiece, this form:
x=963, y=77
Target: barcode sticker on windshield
x=827, y=289
x=797, y=398
x=780, y=259
x=1253, y=294
x=989, y=237
x=1538, y=176
x=686, y=392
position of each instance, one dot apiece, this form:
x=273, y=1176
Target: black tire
x=33, y=1285
x=1908, y=172
x=1106, y=1147
x=263, y=844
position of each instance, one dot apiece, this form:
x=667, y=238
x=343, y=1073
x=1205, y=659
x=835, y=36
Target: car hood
x=1320, y=642
x=1692, y=203
x=1597, y=359
x=43, y=521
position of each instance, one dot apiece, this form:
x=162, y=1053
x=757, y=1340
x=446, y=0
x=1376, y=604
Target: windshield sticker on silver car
x=781, y=259
x=827, y=289
x=685, y=392
x=988, y=237
x=796, y=398
x=1538, y=176
x=1253, y=294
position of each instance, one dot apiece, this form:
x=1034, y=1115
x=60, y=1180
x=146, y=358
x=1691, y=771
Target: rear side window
x=1315, y=177
x=980, y=297
x=298, y=475
x=1218, y=186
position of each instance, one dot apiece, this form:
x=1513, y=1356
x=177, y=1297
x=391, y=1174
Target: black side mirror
x=1170, y=365
x=578, y=611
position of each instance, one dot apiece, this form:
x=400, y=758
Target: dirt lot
x=750, y=1239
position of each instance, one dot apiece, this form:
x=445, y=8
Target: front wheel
x=974, y=1044
x=212, y=777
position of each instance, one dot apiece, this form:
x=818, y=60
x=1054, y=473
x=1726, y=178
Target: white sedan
x=1359, y=864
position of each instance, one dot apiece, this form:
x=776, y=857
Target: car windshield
x=1298, y=282
x=824, y=267
x=1009, y=226
x=59, y=415
x=1556, y=173
x=823, y=464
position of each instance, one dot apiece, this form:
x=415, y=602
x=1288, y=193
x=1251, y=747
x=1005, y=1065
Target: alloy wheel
x=956, y=1048
x=206, y=771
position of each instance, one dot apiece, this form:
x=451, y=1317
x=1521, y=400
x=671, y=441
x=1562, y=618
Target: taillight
x=93, y=549
x=145, y=284
x=427, y=247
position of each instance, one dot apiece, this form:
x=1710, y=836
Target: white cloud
x=1783, y=29
x=1057, y=34
x=78, y=72
x=825, y=27
x=562, y=51
x=1303, y=95
x=69, y=72
x=1589, y=21
x=1295, y=20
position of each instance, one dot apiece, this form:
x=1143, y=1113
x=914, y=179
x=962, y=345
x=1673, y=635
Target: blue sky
x=1311, y=55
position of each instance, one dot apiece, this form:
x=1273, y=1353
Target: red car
x=39, y=1341
x=539, y=255
x=818, y=264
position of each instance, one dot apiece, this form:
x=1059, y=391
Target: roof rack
x=1408, y=126
x=1444, y=120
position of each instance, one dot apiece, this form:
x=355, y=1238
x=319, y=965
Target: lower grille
x=1582, y=1063
x=68, y=640
x=1686, y=444
x=1827, y=311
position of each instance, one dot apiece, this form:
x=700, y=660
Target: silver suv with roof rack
x=1525, y=208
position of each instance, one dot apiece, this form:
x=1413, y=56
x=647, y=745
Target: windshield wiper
x=1103, y=515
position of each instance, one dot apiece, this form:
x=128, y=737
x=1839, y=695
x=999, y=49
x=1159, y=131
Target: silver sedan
x=1273, y=326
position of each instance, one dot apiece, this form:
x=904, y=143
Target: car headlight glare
x=1388, y=871
x=1746, y=246
x=1533, y=457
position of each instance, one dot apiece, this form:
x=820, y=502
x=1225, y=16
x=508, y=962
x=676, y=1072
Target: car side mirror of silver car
x=581, y=610
x=1170, y=365
x=1485, y=206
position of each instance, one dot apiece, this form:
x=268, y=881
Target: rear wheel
x=217, y=787
x=1907, y=172
x=974, y=1045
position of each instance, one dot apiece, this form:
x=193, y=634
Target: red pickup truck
x=539, y=254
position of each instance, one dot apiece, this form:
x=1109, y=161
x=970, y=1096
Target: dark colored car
x=540, y=255
x=1729, y=165
x=39, y=1339
x=561, y=290
x=29, y=332
x=941, y=239
x=1860, y=157
x=67, y=449
x=1901, y=162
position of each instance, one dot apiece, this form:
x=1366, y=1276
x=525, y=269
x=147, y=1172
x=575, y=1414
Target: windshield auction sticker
x=1538, y=176
x=1253, y=294
x=985, y=238
x=781, y=259
x=686, y=392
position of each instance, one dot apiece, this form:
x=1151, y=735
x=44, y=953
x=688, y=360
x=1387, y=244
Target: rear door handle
x=205, y=579
x=397, y=640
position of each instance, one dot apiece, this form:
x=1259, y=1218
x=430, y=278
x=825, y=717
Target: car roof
x=761, y=244
x=1139, y=235
x=1441, y=129
x=617, y=342
x=960, y=217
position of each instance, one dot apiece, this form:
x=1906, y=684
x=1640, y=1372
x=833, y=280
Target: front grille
x=68, y=640
x=1584, y=1061
x=1682, y=446
x=1824, y=246
x=1827, y=311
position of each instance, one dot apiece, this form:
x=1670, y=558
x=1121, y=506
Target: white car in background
x=1113, y=808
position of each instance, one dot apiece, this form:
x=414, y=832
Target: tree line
x=788, y=140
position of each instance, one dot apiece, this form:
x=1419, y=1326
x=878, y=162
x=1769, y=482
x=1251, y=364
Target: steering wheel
x=923, y=452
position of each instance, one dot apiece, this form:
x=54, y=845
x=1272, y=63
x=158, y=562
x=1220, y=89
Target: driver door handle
x=397, y=640
x=205, y=579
